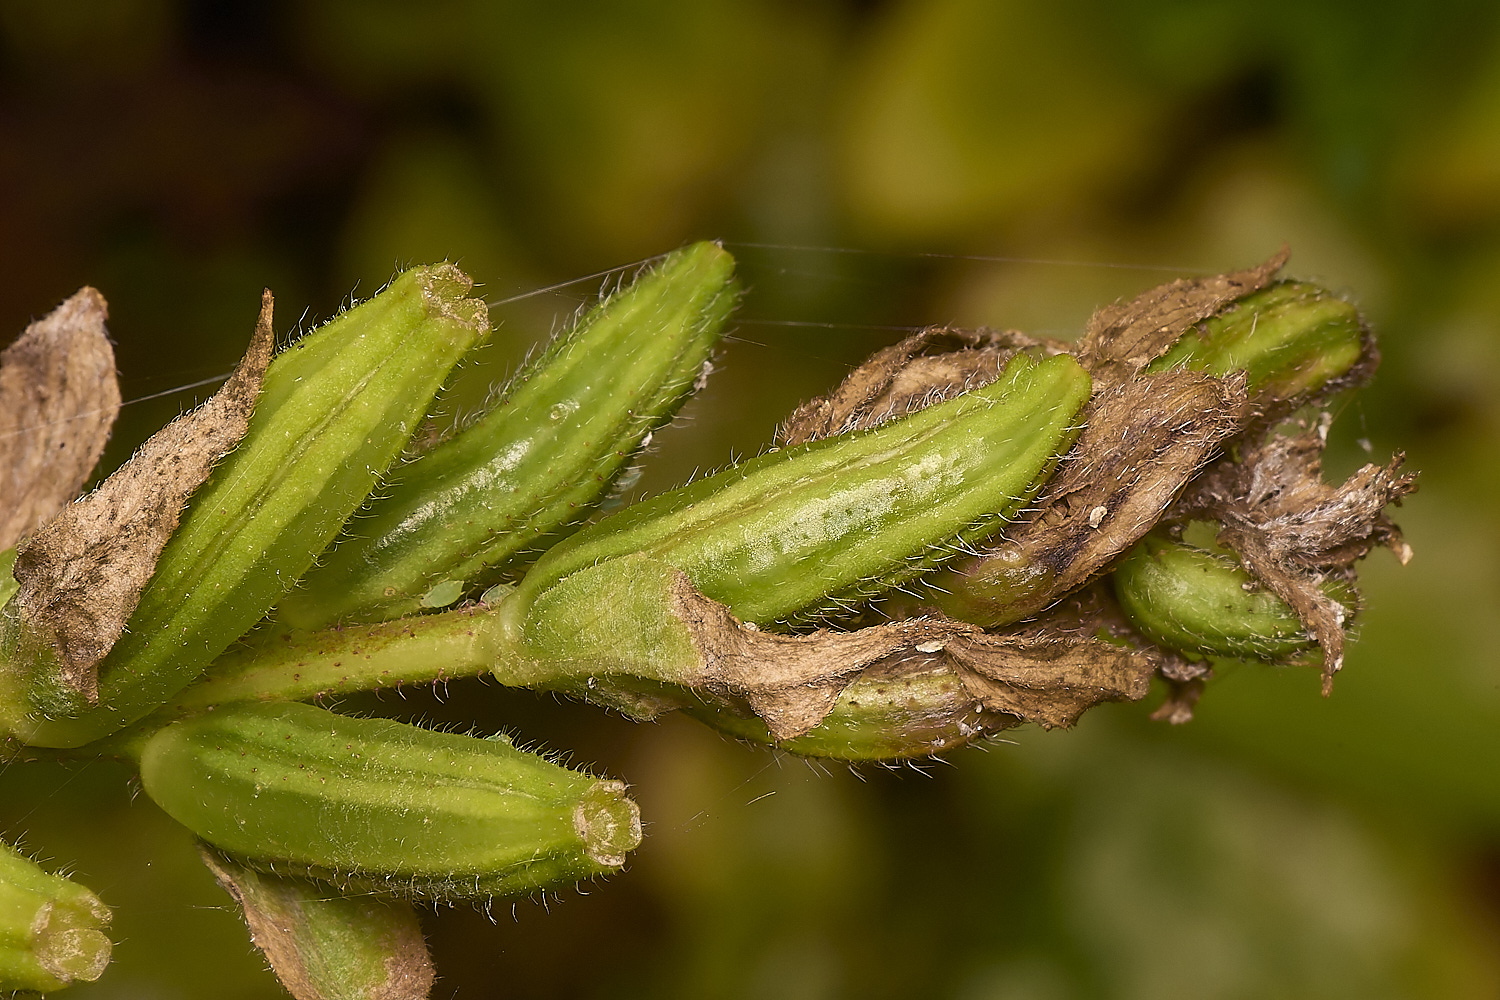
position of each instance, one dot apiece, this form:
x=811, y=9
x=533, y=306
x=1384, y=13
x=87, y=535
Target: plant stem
x=301, y=665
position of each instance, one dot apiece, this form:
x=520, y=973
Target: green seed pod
x=560, y=434
x=1203, y=603
x=885, y=716
x=794, y=534
x=1292, y=340
x=335, y=410
x=403, y=809
x=50, y=928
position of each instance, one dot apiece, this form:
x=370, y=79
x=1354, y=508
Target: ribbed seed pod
x=1205, y=604
x=50, y=928
x=561, y=433
x=794, y=534
x=407, y=810
x=1292, y=340
x=335, y=410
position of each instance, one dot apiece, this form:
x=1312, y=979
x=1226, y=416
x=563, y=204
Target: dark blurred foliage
x=181, y=155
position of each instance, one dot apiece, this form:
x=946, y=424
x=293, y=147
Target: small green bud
x=1292, y=341
x=1203, y=603
x=335, y=410
x=794, y=534
x=535, y=465
x=50, y=928
x=403, y=809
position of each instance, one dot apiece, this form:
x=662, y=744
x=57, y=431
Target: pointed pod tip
x=706, y=255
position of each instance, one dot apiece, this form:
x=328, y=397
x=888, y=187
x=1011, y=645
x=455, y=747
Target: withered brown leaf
x=58, y=400
x=82, y=573
x=1291, y=530
x=1048, y=674
x=924, y=369
x=1144, y=438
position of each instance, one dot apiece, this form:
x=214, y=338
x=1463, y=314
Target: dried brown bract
x=1291, y=530
x=1144, y=439
x=924, y=369
x=82, y=573
x=58, y=399
x=1049, y=673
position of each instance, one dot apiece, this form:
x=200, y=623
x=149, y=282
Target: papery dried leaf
x=924, y=369
x=58, y=399
x=790, y=680
x=1123, y=338
x=1143, y=440
x=1047, y=674
x=1291, y=530
x=1050, y=680
x=1278, y=487
x=82, y=573
x=326, y=946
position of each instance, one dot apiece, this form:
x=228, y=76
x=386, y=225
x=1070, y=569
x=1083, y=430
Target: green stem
x=879, y=717
x=301, y=665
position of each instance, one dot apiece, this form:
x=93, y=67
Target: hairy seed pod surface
x=561, y=433
x=1205, y=604
x=336, y=408
x=405, y=809
x=1291, y=340
x=794, y=534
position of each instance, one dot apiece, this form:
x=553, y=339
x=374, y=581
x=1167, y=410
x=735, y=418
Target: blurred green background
x=875, y=165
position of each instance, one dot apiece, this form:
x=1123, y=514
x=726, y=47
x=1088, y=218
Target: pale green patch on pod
x=335, y=410
x=1291, y=340
x=1204, y=603
x=51, y=928
x=794, y=534
x=371, y=801
x=565, y=428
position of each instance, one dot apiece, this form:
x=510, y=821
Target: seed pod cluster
x=703, y=599
x=975, y=530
